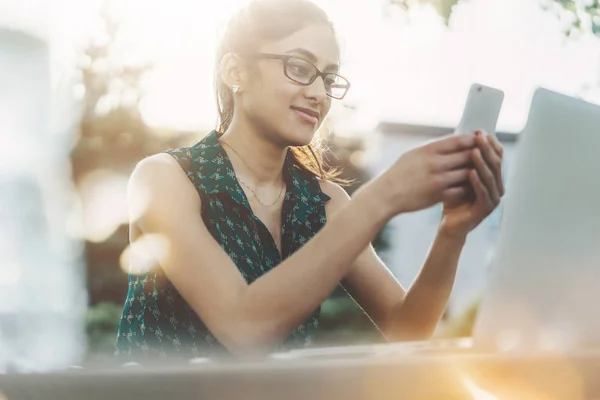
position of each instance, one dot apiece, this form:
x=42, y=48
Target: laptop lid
x=543, y=291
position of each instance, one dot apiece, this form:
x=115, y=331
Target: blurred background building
x=42, y=281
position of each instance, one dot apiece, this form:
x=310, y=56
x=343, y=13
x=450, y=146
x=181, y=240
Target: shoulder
x=159, y=179
x=160, y=168
x=339, y=196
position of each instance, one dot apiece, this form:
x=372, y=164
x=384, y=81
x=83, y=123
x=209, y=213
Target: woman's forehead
x=316, y=43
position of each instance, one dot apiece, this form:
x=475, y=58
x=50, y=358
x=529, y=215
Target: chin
x=300, y=137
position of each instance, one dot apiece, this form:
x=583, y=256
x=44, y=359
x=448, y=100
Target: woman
x=258, y=235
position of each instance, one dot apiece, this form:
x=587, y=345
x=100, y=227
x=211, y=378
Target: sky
x=403, y=68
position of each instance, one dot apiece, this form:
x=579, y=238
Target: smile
x=307, y=115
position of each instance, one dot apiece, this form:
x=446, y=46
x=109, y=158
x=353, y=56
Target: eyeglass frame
x=286, y=58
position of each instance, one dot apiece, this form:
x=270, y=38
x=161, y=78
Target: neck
x=255, y=157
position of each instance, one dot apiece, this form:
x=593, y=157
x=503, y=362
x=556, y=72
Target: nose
x=316, y=90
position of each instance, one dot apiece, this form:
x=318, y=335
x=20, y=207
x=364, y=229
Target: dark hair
x=260, y=21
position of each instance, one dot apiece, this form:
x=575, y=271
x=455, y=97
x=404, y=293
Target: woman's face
x=287, y=111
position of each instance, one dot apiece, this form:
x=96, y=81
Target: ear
x=233, y=71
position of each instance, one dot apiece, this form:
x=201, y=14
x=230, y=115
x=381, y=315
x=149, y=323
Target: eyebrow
x=312, y=58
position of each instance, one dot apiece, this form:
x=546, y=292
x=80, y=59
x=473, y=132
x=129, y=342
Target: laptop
x=543, y=288
x=544, y=283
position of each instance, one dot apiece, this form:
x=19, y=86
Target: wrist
x=458, y=237
x=371, y=201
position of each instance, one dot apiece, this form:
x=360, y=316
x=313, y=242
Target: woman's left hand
x=458, y=219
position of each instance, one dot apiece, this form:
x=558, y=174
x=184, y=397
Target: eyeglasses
x=303, y=72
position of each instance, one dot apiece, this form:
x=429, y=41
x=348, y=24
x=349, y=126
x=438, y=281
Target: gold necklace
x=248, y=186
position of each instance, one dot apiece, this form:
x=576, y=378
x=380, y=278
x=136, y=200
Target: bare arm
x=400, y=314
x=245, y=318
x=417, y=316
x=414, y=314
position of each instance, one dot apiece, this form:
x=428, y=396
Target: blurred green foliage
x=343, y=322
x=442, y=7
x=581, y=16
x=462, y=326
x=101, y=323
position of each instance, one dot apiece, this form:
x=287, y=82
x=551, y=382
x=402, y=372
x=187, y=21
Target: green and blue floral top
x=156, y=321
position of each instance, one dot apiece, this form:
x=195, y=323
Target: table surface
x=388, y=371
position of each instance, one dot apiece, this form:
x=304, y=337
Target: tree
x=583, y=16
x=112, y=136
x=112, y=131
x=442, y=7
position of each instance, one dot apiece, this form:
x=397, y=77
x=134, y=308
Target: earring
x=235, y=88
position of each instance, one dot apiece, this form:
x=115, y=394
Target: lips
x=310, y=116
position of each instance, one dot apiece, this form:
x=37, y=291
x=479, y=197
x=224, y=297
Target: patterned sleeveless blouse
x=156, y=321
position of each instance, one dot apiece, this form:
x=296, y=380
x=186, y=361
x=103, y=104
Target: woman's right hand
x=424, y=176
